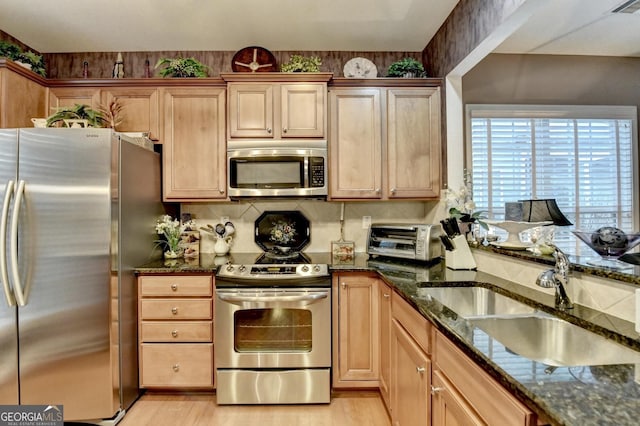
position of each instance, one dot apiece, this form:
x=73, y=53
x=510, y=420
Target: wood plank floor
x=194, y=409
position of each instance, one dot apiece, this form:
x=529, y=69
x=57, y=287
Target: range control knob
x=305, y=268
x=316, y=268
x=242, y=268
x=230, y=268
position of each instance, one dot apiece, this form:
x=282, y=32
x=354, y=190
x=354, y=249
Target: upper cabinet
x=385, y=142
x=274, y=106
x=140, y=108
x=194, y=148
x=22, y=96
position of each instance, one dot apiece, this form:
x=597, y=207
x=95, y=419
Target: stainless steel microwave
x=277, y=168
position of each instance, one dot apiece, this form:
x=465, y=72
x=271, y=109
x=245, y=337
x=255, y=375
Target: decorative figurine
x=118, y=67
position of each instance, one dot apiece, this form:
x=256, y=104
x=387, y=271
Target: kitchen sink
x=553, y=341
x=469, y=302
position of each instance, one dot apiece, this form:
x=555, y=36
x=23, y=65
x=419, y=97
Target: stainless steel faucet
x=557, y=277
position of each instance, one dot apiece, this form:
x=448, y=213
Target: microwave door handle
x=238, y=299
x=305, y=172
x=4, y=275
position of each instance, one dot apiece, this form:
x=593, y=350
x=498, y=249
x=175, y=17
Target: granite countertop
x=585, y=395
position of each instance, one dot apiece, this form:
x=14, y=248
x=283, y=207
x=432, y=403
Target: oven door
x=273, y=328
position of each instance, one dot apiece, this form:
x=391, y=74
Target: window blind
x=581, y=156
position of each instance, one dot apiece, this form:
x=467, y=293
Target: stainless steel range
x=273, y=319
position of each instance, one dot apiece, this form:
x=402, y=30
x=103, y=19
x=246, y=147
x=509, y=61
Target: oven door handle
x=306, y=297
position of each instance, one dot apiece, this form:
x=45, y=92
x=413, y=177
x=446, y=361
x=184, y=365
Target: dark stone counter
x=584, y=395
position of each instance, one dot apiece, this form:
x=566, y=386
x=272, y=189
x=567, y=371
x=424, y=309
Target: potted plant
x=9, y=50
x=77, y=112
x=299, y=63
x=406, y=67
x=182, y=67
x=33, y=61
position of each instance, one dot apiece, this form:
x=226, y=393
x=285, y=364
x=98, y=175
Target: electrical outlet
x=224, y=219
x=366, y=222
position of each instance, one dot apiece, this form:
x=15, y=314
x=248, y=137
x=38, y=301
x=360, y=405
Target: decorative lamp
x=543, y=211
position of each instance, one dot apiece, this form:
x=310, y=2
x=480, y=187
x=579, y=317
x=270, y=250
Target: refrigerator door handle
x=17, y=287
x=4, y=274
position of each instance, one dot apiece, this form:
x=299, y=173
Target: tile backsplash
x=323, y=215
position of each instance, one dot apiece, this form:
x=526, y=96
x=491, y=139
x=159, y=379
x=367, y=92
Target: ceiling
x=581, y=27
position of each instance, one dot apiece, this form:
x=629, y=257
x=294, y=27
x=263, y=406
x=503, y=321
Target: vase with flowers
x=171, y=230
x=461, y=206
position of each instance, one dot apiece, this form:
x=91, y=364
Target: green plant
x=406, y=66
x=77, y=112
x=182, y=67
x=13, y=52
x=299, y=63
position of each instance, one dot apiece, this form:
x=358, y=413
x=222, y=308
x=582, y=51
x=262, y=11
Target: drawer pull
x=420, y=370
x=174, y=333
x=176, y=367
x=435, y=390
x=386, y=295
x=174, y=287
x=174, y=311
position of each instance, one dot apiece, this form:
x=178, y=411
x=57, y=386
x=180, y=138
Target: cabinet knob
x=393, y=190
x=174, y=333
x=174, y=310
x=269, y=130
x=420, y=370
x=221, y=191
x=174, y=287
x=386, y=295
x=344, y=285
x=377, y=190
x=435, y=390
x=176, y=367
x=284, y=130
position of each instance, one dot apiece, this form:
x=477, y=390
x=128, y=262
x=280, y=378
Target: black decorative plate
x=282, y=232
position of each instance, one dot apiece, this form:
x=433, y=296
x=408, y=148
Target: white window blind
x=581, y=156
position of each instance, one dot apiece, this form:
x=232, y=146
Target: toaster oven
x=406, y=241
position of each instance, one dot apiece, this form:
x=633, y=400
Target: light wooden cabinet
x=356, y=347
x=277, y=110
x=194, y=146
x=464, y=394
x=385, y=341
x=385, y=143
x=140, y=109
x=69, y=96
x=175, y=331
x=21, y=98
x=410, y=365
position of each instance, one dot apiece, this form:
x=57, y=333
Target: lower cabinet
x=463, y=394
x=410, y=366
x=385, y=341
x=175, y=331
x=356, y=347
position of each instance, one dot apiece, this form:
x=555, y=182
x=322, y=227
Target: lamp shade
x=542, y=211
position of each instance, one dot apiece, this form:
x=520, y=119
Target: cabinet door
x=355, y=144
x=357, y=361
x=140, y=109
x=251, y=111
x=385, y=341
x=303, y=110
x=69, y=96
x=194, y=148
x=413, y=143
x=449, y=407
x=410, y=380
x=22, y=99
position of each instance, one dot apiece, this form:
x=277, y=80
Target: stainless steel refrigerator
x=78, y=214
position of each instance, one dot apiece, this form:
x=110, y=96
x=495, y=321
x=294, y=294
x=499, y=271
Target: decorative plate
x=282, y=231
x=360, y=68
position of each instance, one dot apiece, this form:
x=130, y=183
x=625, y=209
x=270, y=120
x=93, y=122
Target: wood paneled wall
x=69, y=65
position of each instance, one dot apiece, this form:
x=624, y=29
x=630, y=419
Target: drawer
x=176, y=331
x=175, y=309
x=415, y=324
x=175, y=285
x=176, y=365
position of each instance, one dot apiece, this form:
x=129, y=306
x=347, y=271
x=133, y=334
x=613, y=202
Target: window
x=583, y=156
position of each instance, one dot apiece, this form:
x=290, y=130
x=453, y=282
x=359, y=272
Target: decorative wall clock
x=253, y=59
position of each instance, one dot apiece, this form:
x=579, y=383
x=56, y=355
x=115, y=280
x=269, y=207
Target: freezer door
x=8, y=324
x=64, y=269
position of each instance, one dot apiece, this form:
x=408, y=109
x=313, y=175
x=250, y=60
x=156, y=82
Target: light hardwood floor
x=195, y=409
